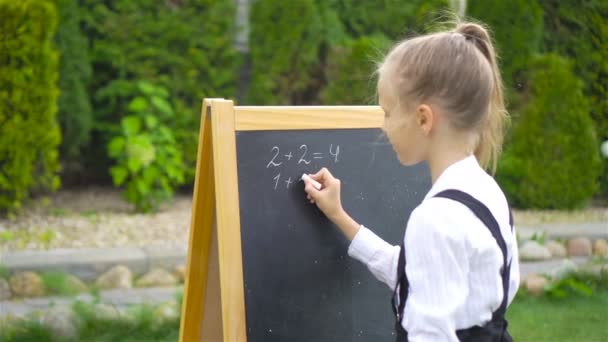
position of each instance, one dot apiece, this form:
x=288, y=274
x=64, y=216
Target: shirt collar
x=454, y=175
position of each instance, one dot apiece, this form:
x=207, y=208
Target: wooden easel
x=214, y=301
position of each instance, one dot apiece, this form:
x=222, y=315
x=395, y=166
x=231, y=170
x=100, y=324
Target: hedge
x=517, y=27
x=578, y=30
x=75, y=114
x=395, y=19
x=29, y=134
x=350, y=71
x=289, y=41
x=183, y=46
x=553, y=159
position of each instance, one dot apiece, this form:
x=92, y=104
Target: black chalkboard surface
x=300, y=284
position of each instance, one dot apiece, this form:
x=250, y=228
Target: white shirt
x=452, y=260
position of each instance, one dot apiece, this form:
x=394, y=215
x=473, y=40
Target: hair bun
x=480, y=37
x=472, y=30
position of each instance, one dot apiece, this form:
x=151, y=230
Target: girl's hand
x=328, y=198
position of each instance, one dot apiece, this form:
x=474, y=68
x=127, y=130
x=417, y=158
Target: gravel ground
x=99, y=217
x=532, y=217
x=95, y=217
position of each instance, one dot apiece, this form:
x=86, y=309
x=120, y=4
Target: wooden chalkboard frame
x=214, y=301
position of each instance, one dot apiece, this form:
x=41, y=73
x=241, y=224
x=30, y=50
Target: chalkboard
x=299, y=282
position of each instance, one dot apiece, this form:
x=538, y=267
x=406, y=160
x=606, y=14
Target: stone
x=180, y=273
x=62, y=322
x=532, y=251
x=157, y=277
x=600, y=248
x=74, y=283
x=557, y=249
x=165, y=312
x=566, y=268
x=106, y=312
x=536, y=283
x=118, y=277
x=595, y=269
x=579, y=246
x=26, y=284
x=5, y=289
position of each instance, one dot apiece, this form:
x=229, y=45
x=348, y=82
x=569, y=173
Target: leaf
x=116, y=146
x=162, y=105
x=138, y=104
x=151, y=174
x=119, y=174
x=580, y=287
x=146, y=87
x=141, y=147
x=142, y=187
x=134, y=165
x=151, y=121
x=131, y=125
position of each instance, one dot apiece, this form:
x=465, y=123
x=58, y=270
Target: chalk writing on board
x=276, y=159
x=304, y=155
x=304, y=150
x=335, y=153
x=272, y=162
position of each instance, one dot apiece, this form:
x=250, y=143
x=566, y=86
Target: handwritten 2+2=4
x=302, y=157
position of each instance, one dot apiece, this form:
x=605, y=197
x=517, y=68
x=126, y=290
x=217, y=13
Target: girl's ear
x=425, y=118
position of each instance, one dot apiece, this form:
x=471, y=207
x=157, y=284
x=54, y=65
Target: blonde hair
x=457, y=70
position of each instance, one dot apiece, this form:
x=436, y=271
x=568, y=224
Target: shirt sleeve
x=436, y=265
x=379, y=256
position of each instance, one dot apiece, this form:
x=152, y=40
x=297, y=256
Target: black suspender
x=484, y=214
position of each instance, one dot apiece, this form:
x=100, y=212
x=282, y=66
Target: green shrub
x=184, y=46
x=147, y=156
x=553, y=159
x=74, y=112
x=289, y=41
x=517, y=27
x=395, y=19
x=566, y=23
x=29, y=134
x=350, y=71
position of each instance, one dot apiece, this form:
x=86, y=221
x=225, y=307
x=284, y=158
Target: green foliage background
x=29, y=133
x=301, y=52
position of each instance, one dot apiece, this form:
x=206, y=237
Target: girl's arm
x=379, y=256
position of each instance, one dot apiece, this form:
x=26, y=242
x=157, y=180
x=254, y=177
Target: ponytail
x=491, y=136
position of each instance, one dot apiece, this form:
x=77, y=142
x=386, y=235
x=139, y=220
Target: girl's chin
x=407, y=161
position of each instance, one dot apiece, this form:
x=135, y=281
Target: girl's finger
x=323, y=176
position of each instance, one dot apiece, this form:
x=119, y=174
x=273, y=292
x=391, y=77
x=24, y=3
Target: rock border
x=88, y=263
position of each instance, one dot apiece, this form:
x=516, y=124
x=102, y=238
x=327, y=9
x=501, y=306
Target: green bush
x=350, y=71
x=395, y=19
x=289, y=42
x=566, y=22
x=553, y=159
x=148, y=158
x=184, y=46
x=29, y=134
x=517, y=27
x=74, y=112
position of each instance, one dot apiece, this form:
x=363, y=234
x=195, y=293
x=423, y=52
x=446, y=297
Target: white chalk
x=314, y=183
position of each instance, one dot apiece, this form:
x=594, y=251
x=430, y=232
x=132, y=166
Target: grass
x=4, y=273
x=534, y=319
x=142, y=326
x=574, y=318
x=58, y=283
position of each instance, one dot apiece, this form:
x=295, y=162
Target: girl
x=457, y=269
